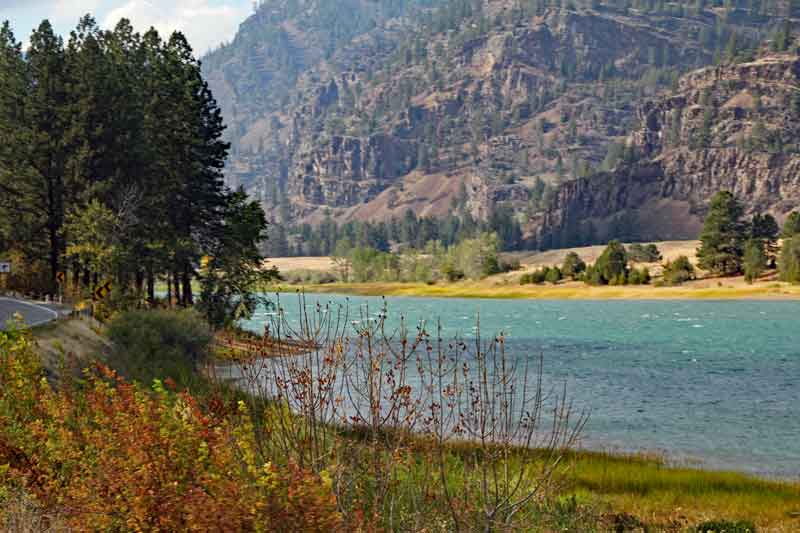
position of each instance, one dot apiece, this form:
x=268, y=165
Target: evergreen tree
x=45, y=119
x=789, y=261
x=754, y=261
x=573, y=266
x=764, y=232
x=723, y=235
x=111, y=165
x=612, y=265
x=792, y=226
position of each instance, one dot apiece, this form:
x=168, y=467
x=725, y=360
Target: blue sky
x=206, y=23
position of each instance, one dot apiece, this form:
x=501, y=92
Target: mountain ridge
x=479, y=107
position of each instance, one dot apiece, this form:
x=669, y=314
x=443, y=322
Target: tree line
x=111, y=167
x=732, y=245
x=408, y=231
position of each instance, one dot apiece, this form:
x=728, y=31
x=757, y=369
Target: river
x=711, y=383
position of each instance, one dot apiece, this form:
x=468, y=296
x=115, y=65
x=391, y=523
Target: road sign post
x=5, y=270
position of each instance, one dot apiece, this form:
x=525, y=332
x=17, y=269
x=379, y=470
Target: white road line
x=35, y=306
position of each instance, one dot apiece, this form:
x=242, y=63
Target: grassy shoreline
x=644, y=490
x=571, y=291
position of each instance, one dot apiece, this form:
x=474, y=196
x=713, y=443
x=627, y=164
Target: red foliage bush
x=108, y=455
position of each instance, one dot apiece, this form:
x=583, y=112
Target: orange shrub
x=108, y=455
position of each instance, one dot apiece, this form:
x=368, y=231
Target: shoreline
x=570, y=291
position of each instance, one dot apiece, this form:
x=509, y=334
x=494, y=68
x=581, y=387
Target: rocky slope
x=365, y=109
x=734, y=127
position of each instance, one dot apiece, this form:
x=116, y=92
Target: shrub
x=639, y=276
x=161, y=343
x=553, y=275
x=644, y=254
x=573, y=266
x=678, y=271
x=314, y=277
x=118, y=457
x=544, y=274
x=620, y=279
x=510, y=266
x=726, y=526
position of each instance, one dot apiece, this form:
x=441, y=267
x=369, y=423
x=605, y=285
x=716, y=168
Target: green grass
x=652, y=491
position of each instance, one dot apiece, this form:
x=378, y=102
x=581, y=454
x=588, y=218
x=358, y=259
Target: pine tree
x=722, y=238
x=764, y=231
x=789, y=261
x=14, y=165
x=754, y=261
x=45, y=116
x=792, y=226
x=573, y=266
x=612, y=265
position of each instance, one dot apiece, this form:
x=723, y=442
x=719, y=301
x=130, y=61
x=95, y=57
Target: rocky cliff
x=734, y=127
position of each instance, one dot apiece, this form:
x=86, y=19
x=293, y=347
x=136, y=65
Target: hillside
x=426, y=105
x=733, y=127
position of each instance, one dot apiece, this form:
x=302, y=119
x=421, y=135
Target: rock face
x=734, y=127
x=344, y=171
x=365, y=108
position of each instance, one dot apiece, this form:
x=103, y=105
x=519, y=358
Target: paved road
x=33, y=314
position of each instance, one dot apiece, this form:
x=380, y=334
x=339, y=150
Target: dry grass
x=21, y=514
x=285, y=264
x=58, y=342
x=507, y=285
x=733, y=288
x=533, y=260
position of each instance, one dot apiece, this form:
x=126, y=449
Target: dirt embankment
x=69, y=344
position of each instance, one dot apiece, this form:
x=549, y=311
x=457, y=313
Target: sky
x=206, y=23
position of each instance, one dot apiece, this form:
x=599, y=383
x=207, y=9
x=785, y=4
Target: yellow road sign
x=61, y=277
x=101, y=292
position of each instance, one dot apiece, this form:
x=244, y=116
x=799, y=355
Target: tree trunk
x=139, y=283
x=188, y=298
x=176, y=281
x=169, y=290
x=54, y=253
x=151, y=288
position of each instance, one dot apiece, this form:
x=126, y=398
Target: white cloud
x=70, y=11
x=204, y=23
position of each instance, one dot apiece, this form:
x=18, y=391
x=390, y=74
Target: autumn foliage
x=104, y=454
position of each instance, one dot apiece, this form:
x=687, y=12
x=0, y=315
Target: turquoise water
x=717, y=383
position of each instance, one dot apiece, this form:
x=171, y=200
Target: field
x=317, y=264
x=507, y=285
x=733, y=288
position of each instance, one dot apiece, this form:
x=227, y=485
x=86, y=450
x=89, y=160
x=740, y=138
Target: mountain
x=732, y=127
x=362, y=109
